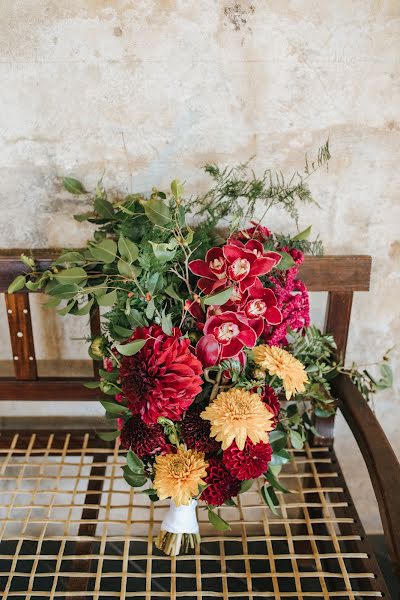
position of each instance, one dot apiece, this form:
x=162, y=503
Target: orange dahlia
x=178, y=476
x=281, y=363
x=236, y=415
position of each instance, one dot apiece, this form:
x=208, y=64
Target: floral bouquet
x=201, y=341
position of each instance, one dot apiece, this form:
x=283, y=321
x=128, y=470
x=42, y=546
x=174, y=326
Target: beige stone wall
x=193, y=81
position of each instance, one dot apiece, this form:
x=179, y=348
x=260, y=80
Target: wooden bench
x=71, y=528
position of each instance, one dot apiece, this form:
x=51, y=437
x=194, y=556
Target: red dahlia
x=271, y=400
x=221, y=485
x=143, y=439
x=196, y=431
x=163, y=378
x=249, y=463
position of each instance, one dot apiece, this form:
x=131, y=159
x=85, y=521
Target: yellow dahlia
x=279, y=362
x=236, y=415
x=179, y=475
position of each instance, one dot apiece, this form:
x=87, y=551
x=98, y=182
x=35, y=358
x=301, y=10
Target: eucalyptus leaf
x=17, y=284
x=166, y=323
x=107, y=299
x=155, y=283
x=108, y=436
x=150, y=309
x=84, y=310
x=105, y=251
x=67, y=308
x=73, y=186
x=69, y=257
x=132, y=479
x=218, y=522
x=136, y=319
x=72, y=275
x=270, y=498
x=270, y=477
x=114, y=408
x=104, y=208
x=131, y=348
x=134, y=463
x=219, y=298
x=163, y=252
x=296, y=439
x=157, y=212
x=128, y=270
x=176, y=188
x=127, y=249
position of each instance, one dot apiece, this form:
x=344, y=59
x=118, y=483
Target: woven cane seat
x=70, y=527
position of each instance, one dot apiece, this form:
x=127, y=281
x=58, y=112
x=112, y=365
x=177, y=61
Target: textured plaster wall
x=193, y=81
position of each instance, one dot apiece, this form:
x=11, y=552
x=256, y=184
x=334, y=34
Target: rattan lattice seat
x=72, y=528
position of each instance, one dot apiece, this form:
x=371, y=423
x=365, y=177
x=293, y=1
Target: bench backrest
x=340, y=276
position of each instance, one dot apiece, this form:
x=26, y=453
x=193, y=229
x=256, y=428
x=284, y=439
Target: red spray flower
x=143, y=439
x=257, y=232
x=221, y=485
x=269, y=397
x=249, y=463
x=212, y=270
x=163, y=378
x=225, y=335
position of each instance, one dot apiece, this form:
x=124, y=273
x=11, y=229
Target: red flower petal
x=201, y=268
x=207, y=350
x=262, y=265
x=248, y=337
x=273, y=315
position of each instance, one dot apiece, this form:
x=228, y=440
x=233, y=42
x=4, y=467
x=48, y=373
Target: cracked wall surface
x=188, y=82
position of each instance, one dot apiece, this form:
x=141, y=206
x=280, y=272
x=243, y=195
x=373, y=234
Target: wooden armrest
x=381, y=461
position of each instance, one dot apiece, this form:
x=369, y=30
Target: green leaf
x=303, y=235
x=52, y=302
x=219, y=298
x=105, y=251
x=17, y=284
x=246, y=485
x=84, y=310
x=33, y=285
x=274, y=482
x=150, y=309
x=131, y=348
x=286, y=262
x=296, y=439
x=104, y=208
x=123, y=332
x=280, y=458
x=73, y=186
x=270, y=498
x=127, y=270
x=107, y=299
x=132, y=479
x=83, y=216
x=166, y=323
x=28, y=261
x=67, y=308
x=163, y=252
x=68, y=257
x=127, y=249
x=108, y=436
x=387, y=375
x=72, y=275
x=171, y=292
x=66, y=292
x=217, y=521
x=278, y=440
x=134, y=463
x=155, y=283
x=114, y=408
x=136, y=319
x=157, y=212
x=176, y=188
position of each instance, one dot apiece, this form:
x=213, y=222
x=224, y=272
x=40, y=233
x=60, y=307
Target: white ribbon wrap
x=181, y=519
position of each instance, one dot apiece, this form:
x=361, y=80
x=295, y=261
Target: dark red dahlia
x=271, y=400
x=249, y=463
x=163, y=378
x=221, y=485
x=143, y=439
x=196, y=431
